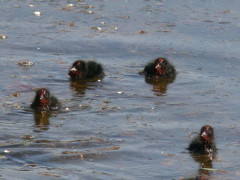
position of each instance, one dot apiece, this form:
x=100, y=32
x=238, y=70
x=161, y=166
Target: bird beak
x=73, y=69
x=204, y=134
x=158, y=66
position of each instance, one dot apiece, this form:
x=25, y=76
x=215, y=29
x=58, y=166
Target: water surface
x=121, y=127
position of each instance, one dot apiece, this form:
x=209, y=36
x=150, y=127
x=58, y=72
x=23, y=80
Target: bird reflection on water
x=159, y=72
x=160, y=86
x=42, y=120
x=205, y=166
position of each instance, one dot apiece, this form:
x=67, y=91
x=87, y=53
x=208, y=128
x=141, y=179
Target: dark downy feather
x=45, y=101
x=83, y=70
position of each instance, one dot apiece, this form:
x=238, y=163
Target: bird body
x=45, y=101
x=160, y=68
x=204, y=143
x=83, y=70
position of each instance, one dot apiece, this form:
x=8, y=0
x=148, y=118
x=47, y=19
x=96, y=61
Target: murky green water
x=121, y=127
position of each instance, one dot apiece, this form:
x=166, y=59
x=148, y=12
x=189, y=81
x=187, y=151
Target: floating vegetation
x=68, y=7
x=96, y=28
x=71, y=24
x=3, y=157
x=114, y=28
x=67, y=23
x=25, y=62
x=27, y=137
x=30, y=165
x=3, y=36
x=50, y=174
x=87, y=7
x=141, y=32
x=16, y=94
x=87, y=12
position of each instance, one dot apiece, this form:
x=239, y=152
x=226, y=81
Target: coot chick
x=45, y=101
x=160, y=67
x=83, y=70
x=204, y=143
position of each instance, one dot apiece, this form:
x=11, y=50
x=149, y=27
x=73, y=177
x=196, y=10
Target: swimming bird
x=45, y=101
x=204, y=143
x=159, y=68
x=83, y=70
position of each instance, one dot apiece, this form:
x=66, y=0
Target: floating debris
x=167, y=31
x=114, y=148
x=86, y=12
x=114, y=28
x=87, y=7
x=3, y=36
x=27, y=137
x=96, y=28
x=70, y=5
x=107, y=101
x=25, y=62
x=71, y=24
x=3, y=157
x=6, y=151
x=84, y=106
x=30, y=165
x=16, y=94
x=141, y=32
x=37, y=13
x=50, y=174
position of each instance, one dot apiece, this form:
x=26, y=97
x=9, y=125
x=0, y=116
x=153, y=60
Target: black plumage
x=160, y=68
x=204, y=143
x=84, y=70
x=45, y=101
